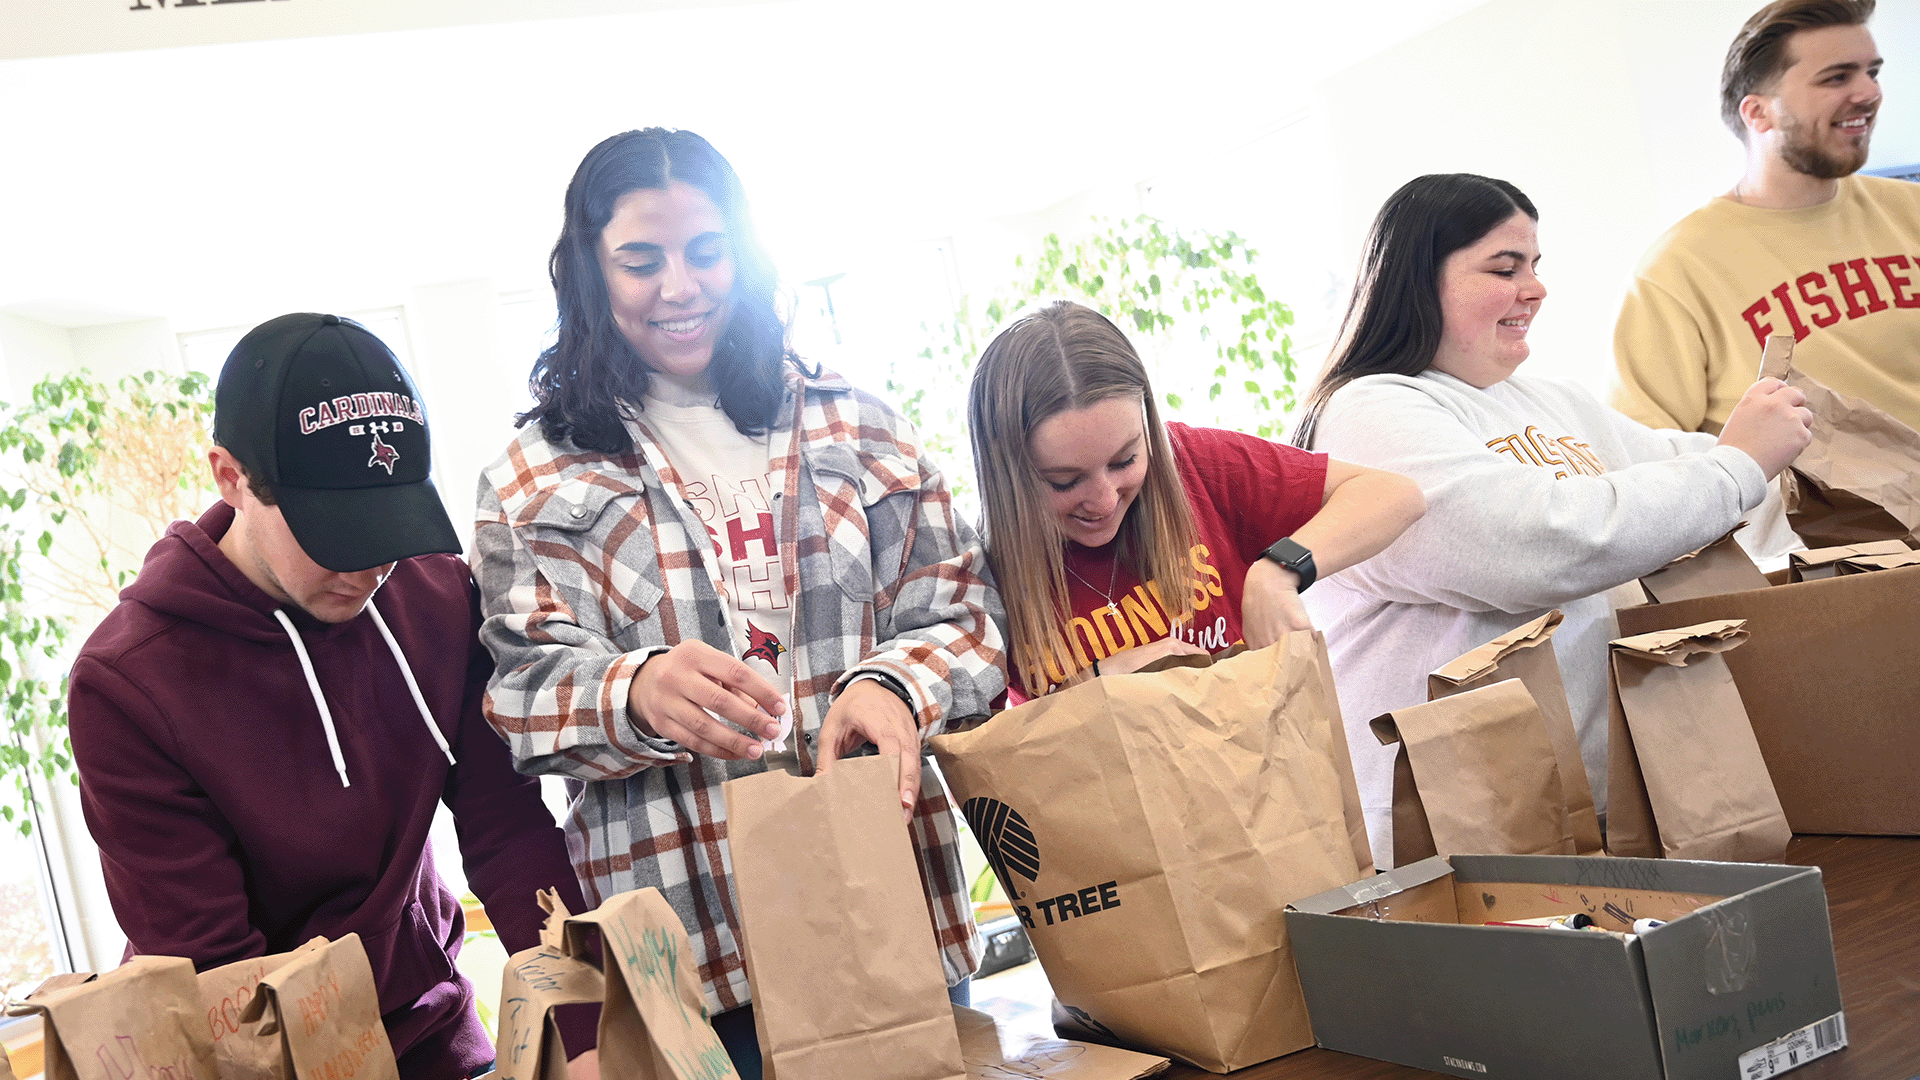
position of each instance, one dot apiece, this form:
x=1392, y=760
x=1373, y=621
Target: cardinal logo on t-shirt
x=384, y=454
x=763, y=645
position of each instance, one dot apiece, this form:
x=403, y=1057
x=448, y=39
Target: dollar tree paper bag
x=839, y=943
x=241, y=1049
x=1526, y=653
x=1686, y=778
x=1855, y=481
x=142, y=1019
x=1478, y=770
x=992, y=1053
x=322, y=1009
x=536, y=982
x=1149, y=829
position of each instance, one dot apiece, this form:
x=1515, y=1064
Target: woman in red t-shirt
x=1117, y=540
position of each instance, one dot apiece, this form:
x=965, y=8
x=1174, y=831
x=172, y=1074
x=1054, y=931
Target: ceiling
x=320, y=155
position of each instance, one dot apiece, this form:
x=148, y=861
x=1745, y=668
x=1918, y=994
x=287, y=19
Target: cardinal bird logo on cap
x=763, y=645
x=384, y=454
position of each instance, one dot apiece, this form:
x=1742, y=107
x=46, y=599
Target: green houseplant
x=1216, y=343
x=96, y=473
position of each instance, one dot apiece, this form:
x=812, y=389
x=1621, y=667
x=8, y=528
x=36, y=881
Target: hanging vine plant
x=101, y=471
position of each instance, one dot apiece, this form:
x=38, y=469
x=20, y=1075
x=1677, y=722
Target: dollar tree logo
x=1007, y=840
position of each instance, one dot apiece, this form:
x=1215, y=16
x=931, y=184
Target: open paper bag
x=142, y=1019
x=1686, y=779
x=1855, y=481
x=1475, y=773
x=1150, y=827
x=837, y=937
x=631, y=954
x=1526, y=653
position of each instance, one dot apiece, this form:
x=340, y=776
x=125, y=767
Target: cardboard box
x=1399, y=967
x=1831, y=679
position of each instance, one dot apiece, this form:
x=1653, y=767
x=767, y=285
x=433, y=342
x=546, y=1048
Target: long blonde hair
x=1059, y=359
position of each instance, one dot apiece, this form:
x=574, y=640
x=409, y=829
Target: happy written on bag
x=1855, y=481
x=142, y=1019
x=1686, y=779
x=839, y=945
x=241, y=1049
x=632, y=955
x=1475, y=774
x=1526, y=653
x=322, y=1011
x=1149, y=829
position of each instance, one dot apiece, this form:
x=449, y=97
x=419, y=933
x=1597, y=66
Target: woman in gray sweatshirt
x=1538, y=495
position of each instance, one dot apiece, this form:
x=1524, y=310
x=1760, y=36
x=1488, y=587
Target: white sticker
x=1795, y=1048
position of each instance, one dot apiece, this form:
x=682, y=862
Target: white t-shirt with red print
x=723, y=475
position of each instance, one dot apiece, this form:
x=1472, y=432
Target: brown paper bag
x=1814, y=564
x=838, y=941
x=1719, y=568
x=1855, y=481
x=528, y=1045
x=1149, y=828
x=142, y=1019
x=241, y=1049
x=653, y=1018
x=1867, y=564
x=1526, y=653
x=1478, y=770
x=6, y=1065
x=323, y=1010
x=994, y=1054
x=1686, y=779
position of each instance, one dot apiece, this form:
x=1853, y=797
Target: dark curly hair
x=586, y=384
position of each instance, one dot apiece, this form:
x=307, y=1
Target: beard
x=1801, y=150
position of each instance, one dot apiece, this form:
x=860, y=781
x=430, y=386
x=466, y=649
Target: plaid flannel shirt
x=590, y=563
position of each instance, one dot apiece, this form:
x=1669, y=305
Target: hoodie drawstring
x=320, y=700
x=413, y=687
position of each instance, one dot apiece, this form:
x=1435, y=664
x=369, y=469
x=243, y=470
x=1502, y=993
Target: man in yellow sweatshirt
x=1800, y=246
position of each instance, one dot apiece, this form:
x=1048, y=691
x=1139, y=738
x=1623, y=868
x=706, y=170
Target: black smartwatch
x=1292, y=555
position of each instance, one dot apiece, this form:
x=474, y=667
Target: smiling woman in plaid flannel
x=698, y=542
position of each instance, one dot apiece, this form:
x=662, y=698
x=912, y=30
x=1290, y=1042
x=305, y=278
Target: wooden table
x=1873, y=897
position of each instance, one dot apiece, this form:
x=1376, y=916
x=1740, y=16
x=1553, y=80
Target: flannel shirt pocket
x=850, y=485
x=593, y=544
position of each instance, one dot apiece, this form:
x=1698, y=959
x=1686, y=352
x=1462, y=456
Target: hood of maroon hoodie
x=319, y=858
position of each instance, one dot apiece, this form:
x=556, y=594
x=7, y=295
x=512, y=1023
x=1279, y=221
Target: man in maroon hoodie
x=266, y=722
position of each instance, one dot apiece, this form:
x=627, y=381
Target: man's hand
x=1270, y=606
x=673, y=693
x=867, y=712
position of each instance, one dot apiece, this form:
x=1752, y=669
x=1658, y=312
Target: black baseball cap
x=320, y=409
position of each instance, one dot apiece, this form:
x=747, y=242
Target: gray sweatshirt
x=1538, y=497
